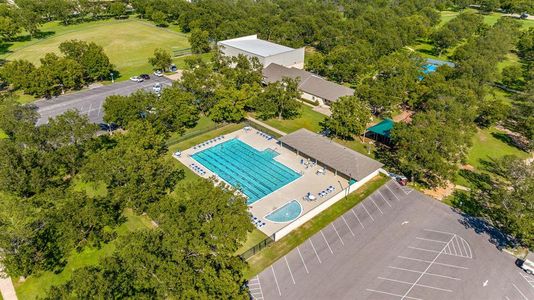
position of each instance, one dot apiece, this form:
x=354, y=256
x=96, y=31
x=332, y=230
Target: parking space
x=90, y=102
x=430, y=268
x=281, y=278
x=396, y=244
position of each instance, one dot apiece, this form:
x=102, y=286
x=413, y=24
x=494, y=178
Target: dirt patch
x=405, y=116
x=467, y=167
x=440, y=193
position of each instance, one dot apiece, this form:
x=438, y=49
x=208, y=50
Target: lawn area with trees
x=127, y=43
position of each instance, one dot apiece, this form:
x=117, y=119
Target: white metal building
x=265, y=51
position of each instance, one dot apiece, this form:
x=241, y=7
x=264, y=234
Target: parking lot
x=89, y=102
x=396, y=244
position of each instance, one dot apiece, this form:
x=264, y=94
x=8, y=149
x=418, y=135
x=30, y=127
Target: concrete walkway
x=6, y=288
x=265, y=125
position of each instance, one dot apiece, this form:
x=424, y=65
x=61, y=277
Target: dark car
x=144, y=76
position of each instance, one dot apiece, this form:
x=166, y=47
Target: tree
x=122, y=110
x=159, y=18
x=190, y=255
x=8, y=28
x=18, y=73
x=199, y=40
x=95, y=63
x=174, y=111
x=231, y=103
x=350, y=116
x=511, y=75
x=117, y=9
x=161, y=60
x=508, y=201
x=279, y=99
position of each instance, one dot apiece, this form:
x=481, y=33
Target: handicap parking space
x=431, y=267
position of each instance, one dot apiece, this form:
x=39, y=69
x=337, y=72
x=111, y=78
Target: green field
x=488, y=144
x=253, y=238
x=128, y=43
x=37, y=286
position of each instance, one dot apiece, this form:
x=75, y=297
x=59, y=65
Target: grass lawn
x=37, y=286
x=278, y=249
x=308, y=119
x=487, y=144
x=489, y=19
x=253, y=238
x=128, y=43
x=180, y=61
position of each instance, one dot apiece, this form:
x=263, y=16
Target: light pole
x=112, y=79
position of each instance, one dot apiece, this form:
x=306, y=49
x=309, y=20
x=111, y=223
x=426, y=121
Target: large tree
x=190, y=255
x=350, y=116
x=161, y=60
x=199, y=40
x=96, y=64
x=279, y=99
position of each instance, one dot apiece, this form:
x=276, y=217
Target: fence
x=257, y=248
x=181, y=52
x=193, y=134
x=261, y=128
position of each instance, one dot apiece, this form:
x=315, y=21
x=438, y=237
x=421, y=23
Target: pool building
x=286, y=181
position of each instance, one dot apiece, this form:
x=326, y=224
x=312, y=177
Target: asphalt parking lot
x=396, y=244
x=90, y=101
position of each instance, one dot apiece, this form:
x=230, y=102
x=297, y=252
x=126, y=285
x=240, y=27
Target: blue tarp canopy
x=383, y=128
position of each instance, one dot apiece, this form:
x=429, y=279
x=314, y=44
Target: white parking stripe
x=430, y=240
x=429, y=274
x=372, y=200
x=451, y=246
x=391, y=294
x=347, y=225
x=422, y=249
x=384, y=198
x=276, y=281
x=456, y=242
x=436, y=263
x=444, y=232
x=525, y=297
x=326, y=242
x=392, y=192
x=301, y=258
x=463, y=246
x=333, y=226
x=425, y=271
x=357, y=218
x=314, y=250
x=290, y=273
x=421, y=285
x=367, y=212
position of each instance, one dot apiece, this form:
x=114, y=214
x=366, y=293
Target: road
x=397, y=244
x=90, y=102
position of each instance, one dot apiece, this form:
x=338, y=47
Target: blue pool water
x=429, y=68
x=289, y=212
x=254, y=172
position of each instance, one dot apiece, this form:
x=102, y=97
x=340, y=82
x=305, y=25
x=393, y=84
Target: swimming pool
x=429, y=68
x=289, y=212
x=254, y=172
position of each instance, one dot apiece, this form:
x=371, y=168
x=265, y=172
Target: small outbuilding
x=381, y=131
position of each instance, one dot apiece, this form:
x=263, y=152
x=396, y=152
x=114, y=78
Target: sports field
x=128, y=43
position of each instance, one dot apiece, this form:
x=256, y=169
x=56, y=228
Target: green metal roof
x=383, y=128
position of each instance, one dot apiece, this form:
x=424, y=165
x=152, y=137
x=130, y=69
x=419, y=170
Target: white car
x=158, y=73
x=157, y=88
x=136, y=79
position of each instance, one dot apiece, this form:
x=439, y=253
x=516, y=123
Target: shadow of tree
x=4, y=47
x=480, y=226
x=505, y=138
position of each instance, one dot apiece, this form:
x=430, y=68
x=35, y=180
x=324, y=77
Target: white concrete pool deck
x=309, y=181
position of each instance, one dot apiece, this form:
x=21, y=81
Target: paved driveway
x=90, y=102
x=396, y=244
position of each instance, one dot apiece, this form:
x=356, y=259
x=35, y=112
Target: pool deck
x=309, y=181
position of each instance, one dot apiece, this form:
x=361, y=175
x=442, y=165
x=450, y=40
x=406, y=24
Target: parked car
x=144, y=76
x=401, y=179
x=136, y=79
x=158, y=73
x=528, y=263
x=524, y=16
x=157, y=88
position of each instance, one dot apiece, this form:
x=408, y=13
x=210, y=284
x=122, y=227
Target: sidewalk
x=6, y=288
x=265, y=125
